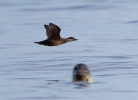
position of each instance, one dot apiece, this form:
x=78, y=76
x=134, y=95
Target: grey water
x=107, y=33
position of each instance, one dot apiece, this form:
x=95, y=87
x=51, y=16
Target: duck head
x=69, y=39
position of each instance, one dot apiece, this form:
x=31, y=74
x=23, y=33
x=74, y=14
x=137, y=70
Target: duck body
x=52, y=42
x=53, y=36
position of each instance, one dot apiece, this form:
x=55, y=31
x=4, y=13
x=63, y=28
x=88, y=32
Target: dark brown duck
x=53, y=36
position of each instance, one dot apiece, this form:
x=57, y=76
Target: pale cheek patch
x=70, y=40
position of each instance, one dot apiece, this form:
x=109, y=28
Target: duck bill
x=75, y=39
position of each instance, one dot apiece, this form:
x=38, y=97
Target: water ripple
x=78, y=7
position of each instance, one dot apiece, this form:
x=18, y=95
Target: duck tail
x=36, y=42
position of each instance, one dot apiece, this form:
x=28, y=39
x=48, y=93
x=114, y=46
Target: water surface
x=108, y=39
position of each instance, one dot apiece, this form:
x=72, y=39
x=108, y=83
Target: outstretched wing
x=52, y=31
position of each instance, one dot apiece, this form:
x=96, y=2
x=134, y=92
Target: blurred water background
x=108, y=43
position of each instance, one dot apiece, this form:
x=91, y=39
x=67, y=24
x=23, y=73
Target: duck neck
x=65, y=40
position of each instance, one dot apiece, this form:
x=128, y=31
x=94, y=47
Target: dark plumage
x=53, y=36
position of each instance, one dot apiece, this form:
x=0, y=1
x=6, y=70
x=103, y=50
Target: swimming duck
x=53, y=36
x=81, y=73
